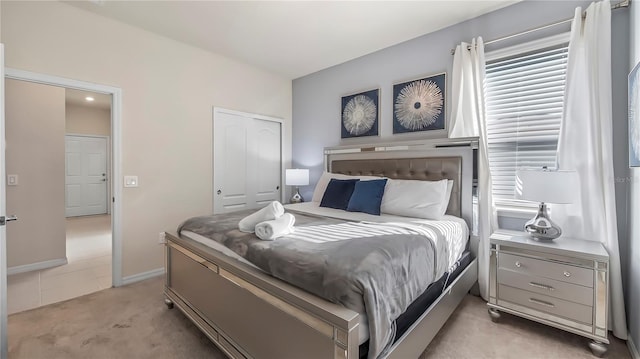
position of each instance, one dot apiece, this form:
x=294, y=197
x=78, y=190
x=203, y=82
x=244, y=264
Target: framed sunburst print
x=634, y=117
x=419, y=105
x=360, y=114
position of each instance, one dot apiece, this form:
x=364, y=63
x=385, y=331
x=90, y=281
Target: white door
x=267, y=164
x=86, y=175
x=246, y=162
x=3, y=213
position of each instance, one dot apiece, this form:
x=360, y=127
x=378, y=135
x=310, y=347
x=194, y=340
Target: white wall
x=633, y=287
x=169, y=89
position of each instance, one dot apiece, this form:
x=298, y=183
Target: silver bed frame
x=249, y=314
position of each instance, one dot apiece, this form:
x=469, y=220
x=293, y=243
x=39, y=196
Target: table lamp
x=297, y=177
x=544, y=186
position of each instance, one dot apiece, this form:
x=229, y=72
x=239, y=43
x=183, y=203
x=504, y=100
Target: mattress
x=454, y=229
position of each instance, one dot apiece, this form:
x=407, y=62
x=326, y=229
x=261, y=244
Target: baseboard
x=37, y=266
x=633, y=349
x=142, y=276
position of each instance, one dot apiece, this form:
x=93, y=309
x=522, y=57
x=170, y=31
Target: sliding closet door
x=267, y=162
x=247, y=161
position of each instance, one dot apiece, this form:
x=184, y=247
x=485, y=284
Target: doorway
x=104, y=228
x=55, y=255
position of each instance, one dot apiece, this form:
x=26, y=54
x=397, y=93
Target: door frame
x=108, y=159
x=217, y=110
x=3, y=212
x=115, y=153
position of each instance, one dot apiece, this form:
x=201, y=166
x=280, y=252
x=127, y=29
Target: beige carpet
x=133, y=322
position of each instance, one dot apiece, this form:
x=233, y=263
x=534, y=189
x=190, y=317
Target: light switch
x=12, y=180
x=131, y=181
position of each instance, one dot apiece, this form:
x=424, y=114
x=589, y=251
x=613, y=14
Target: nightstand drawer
x=545, y=303
x=541, y=268
x=546, y=286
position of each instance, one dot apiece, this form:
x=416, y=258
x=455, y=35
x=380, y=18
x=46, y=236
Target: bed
x=249, y=313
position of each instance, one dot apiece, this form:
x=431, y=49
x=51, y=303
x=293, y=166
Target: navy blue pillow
x=338, y=193
x=367, y=196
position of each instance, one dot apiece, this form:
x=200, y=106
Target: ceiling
x=291, y=38
x=78, y=98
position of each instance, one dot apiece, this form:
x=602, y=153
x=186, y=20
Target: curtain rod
x=621, y=4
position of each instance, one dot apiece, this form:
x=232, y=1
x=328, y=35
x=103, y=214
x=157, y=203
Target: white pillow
x=321, y=186
x=447, y=196
x=418, y=199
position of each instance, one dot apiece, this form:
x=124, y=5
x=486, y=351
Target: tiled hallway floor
x=88, y=269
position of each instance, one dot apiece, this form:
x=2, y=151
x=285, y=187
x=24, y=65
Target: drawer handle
x=518, y=264
x=541, y=286
x=541, y=302
x=567, y=274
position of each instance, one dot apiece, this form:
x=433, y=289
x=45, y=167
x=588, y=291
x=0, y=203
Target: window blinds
x=524, y=98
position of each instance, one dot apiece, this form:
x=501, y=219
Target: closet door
x=267, y=162
x=247, y=161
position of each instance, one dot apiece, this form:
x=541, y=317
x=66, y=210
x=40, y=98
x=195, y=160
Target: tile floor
x=88, y=269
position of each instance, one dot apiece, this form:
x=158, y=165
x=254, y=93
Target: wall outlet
x=161, y=238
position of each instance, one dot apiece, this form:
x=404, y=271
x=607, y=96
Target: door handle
x=4, y=220
x=104, y=174
x=219, y=191
x=104, y=180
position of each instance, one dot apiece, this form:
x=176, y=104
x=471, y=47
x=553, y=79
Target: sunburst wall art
x=634, y=117
x=419, y=105
x=360, y=114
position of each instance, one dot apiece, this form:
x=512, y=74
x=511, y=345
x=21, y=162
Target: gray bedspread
x=379, y=275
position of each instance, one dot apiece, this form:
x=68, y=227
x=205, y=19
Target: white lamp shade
x=297, y=177
x=540, y=185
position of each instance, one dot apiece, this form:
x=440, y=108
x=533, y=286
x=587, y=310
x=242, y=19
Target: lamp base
x=541, y=227
x=297, y=197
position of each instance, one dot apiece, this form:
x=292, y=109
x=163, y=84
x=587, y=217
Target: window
x=524, y=96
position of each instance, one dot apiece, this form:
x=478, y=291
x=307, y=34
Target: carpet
x=133, y=322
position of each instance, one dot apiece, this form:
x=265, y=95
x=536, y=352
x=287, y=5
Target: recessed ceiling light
x=89, y=98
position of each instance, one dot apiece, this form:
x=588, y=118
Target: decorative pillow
x=321, y=186
x=447, y=196
x=338, y=193
x=418, y=199
x=367, y=196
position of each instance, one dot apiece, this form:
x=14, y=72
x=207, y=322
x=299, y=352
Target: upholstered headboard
x=424, y=169
x=431, y=164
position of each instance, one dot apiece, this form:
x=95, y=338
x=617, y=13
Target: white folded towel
x=272, y=211
x=270, y=230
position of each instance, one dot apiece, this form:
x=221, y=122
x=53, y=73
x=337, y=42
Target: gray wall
x=316, y=97
x=633, y=247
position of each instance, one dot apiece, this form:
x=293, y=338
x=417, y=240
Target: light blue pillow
x=367, y=196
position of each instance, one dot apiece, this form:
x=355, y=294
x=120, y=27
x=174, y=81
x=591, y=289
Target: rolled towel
x=270, y=230
x=272, y=211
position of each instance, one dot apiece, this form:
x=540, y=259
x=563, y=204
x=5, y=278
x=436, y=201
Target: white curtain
x=468, y=119
x=585, y=145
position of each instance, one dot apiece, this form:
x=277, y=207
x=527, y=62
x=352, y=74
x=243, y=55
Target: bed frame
x=249, y=314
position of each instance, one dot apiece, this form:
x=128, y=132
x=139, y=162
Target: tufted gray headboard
x=425, y=169
x=453, y=163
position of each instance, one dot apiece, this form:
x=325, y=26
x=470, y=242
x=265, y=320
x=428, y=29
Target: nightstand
x=562, y=283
